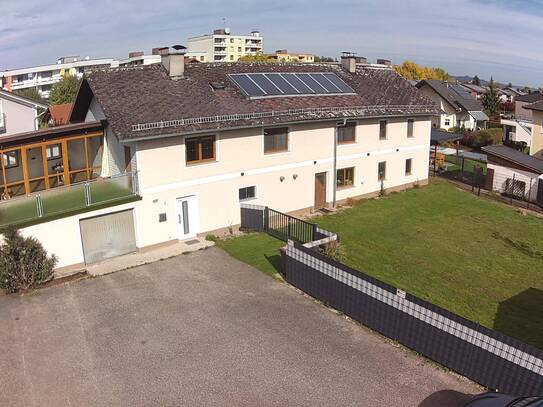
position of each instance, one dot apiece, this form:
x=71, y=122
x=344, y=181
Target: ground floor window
x=408, y=163
x=345, y=177
x=247, y=193
x=382, y=170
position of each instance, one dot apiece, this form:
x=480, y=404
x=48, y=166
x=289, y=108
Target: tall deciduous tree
x=64, y=91
x=412, y=71
x=491, y=100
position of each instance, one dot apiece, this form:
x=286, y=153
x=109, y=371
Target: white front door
x=187, y=217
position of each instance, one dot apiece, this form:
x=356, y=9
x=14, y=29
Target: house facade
x=223, y=46
x=18, y=114
x=458, y=107
x=203, y=139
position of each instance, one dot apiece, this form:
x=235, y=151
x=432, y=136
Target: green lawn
x=475, y=257
x=469, y=164
x=59, y=201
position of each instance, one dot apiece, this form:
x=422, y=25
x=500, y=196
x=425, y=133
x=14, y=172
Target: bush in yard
x=468, y=139
x=23, y=262
x=335, y=250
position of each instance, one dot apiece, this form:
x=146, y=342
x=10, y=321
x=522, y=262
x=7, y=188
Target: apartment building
x=45, y=76
x=283, y=55
x=222, y=46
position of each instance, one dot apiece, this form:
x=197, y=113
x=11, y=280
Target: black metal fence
x=481, y=354
x=277, y=224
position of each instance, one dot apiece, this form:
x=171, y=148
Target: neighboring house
x=284, y=56
x=44, y=77
x=536, y=110
x=518, y=128
x=58, y=115
x=458, y=107
x=475, y=91
x=222, y=46
x=18, y=114
x=514, y=173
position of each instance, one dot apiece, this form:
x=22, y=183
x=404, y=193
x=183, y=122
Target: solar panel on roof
x=247, y=85
x=257, y=85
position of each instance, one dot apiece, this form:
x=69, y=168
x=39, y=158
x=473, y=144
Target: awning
x=479, y=116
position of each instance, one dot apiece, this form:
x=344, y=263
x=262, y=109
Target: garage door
x=108, y=236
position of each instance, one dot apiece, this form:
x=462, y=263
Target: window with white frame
x=447, y=121
x=246, y=193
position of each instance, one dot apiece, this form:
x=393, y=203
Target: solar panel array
x=257, y=85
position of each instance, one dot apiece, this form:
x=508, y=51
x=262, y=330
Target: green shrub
x=335, y=250
x=211, y=238
x=23, y=262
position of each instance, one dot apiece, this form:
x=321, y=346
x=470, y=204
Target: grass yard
x=469, y=164
x=475, y=257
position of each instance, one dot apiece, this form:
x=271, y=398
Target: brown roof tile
x=131, y=96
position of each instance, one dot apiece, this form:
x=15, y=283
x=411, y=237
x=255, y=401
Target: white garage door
x=108, y=236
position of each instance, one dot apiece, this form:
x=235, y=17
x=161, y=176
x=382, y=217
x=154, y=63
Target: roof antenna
x=224, y=23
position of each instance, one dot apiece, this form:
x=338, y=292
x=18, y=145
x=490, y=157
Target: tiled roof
x=535, y=106
x=510, y=154
x=146, y=96
x=530, y=97
x=455, y=95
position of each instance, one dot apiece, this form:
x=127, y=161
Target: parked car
x=503, y=400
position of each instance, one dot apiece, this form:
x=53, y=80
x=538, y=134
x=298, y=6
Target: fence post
x=314, y=232
x=266, y=218
x=39, y=206
x=512, y=188
x=529, y=195
x=288, y=227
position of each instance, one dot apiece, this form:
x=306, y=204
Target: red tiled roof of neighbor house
x=60, y=114
x=144, y=95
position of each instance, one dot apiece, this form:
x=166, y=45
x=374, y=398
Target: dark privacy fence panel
x=252, y=217
x=484, y=355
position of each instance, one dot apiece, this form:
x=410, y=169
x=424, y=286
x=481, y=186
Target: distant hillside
x=467, y=78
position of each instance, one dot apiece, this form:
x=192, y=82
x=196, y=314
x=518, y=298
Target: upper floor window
x=345, y=177
x=410, y=127
x=447, y=122
x=46, y=74
x=408, y=163
x=275, y=139
x=346, y=134
x=382, y=129
x=200, y=149
x=382, y=171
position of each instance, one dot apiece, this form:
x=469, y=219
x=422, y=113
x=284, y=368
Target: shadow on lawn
x=521, y=317
x=275, y=261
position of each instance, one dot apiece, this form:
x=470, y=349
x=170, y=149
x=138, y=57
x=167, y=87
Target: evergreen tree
x=64, y=91
x=476, y=81
x=491, y=100
x=510, y=85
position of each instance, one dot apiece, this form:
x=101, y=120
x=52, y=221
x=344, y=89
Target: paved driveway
x=201, y=329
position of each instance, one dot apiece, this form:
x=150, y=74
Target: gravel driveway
x=202, y=329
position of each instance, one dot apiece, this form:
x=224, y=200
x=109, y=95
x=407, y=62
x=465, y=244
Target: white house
x=203, y=138
x=458, y=107
x=18, y=114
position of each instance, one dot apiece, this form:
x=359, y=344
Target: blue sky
x=484, y=37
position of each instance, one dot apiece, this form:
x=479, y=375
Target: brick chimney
x=348, y=62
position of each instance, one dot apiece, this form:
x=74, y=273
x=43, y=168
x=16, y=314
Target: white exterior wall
x=62, y=237
x=164, y=176
x=449, y=113
x=19, y=118
x=501, y=174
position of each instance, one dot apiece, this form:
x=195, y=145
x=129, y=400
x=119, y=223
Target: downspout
x=334, y=177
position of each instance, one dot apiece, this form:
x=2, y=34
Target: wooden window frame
x=410, y=128
x=344, y=170
x=248, y=198
x=276, y=150
x=350, y=124
x=382, y=177
x=64, y=175
x=410, y=161
x=385, y=137
x=201, y=160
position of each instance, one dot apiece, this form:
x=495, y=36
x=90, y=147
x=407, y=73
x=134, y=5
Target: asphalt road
x=202, y=329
